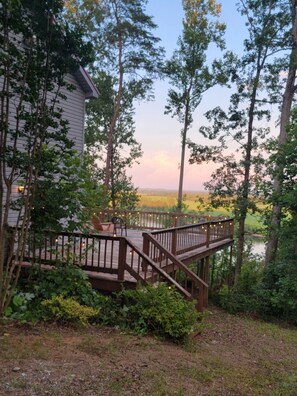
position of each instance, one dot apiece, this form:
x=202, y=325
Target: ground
x=231, y=356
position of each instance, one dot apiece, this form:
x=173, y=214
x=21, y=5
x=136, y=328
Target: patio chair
x=119, y=224
x=98, y=226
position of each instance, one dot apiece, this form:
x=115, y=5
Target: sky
x=159, y=134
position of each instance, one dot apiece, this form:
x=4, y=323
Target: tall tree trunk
x=117, y=106
x=181, y=171
x=183, y=154
x=243, y=201
x=274, y=227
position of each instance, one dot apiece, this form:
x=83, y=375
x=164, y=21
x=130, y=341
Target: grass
x=232, y=356
x=160, y=200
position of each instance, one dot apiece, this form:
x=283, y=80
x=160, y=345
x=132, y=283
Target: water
x=258, y=246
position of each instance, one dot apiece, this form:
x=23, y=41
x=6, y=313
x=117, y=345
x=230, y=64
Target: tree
x=188, y=71
x=132, y=49
x=37, y=50
x=237, y=179
x=125, y=149
x=290, y=89
x=279, y=286
x=126, y=50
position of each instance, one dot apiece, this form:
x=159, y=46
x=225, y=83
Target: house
x=73, y=111
x=41, y=87
x=74, y=106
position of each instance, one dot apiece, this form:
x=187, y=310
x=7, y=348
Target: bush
x=160, y=310
x=244, y=296
x=279, y=291
x=65, y=280
x=67, y=310
x=19, y=306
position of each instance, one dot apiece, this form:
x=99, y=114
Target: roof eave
x=86, y=83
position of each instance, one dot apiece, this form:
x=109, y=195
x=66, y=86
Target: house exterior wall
x=73, y=112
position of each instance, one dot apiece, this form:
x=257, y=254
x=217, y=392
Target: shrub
x=161, y=310
x=65, y=280
x=244, y=296
x=67, y=310
x=279, y=291
x=19, y=306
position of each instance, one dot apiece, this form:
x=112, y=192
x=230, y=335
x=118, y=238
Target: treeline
x=115, y=39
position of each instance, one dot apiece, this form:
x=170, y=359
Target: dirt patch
x=232, y=356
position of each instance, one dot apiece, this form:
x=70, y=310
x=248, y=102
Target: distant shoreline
x=152, y=189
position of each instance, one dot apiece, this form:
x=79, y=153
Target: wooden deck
x=113, y=262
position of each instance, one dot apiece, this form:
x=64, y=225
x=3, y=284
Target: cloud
x=161, y=170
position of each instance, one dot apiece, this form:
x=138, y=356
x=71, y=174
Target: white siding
x=74, y=112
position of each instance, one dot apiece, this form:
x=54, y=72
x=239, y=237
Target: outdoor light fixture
x=21, y=189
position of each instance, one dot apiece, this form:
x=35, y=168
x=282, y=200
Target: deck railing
x=183, y=239
x=146, y=271
x=169, y=263
x=136, y=219
x=98, y=253
x=158, y=262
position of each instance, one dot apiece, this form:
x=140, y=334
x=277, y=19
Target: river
x=258, y=246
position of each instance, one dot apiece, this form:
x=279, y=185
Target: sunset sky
x=159, y=134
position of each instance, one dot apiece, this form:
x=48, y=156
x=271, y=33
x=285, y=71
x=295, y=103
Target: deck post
x=175, y=221
x=173, y=242
x=230, y=267
x=146, y=244
x=145, y=249
x=200, y=305
x=208, y=235
x=206, y=276
x=122, y=259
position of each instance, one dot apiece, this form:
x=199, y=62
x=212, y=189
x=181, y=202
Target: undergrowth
x=64, y=295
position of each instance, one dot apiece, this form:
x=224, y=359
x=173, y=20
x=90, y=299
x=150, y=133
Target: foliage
x=279, y=284
x=19, y=306
x=126, y=150
x=64, y=294
x=67, y=310
x=244, y=295
x=279, y=291
x=160, y=310
x=287, y=102
x=37, y=51
x=68, y=281
x=235, y=183
x=127, y=58
x=188, y=71
x=67, y=197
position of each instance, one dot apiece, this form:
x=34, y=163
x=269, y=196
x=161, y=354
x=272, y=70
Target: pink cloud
x=161, y=170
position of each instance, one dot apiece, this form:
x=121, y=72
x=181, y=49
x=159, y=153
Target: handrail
x=168, y=262
x=147, y=268
x=140, y=219
x=97, y=253
x=187, y=238
x=115, y=255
